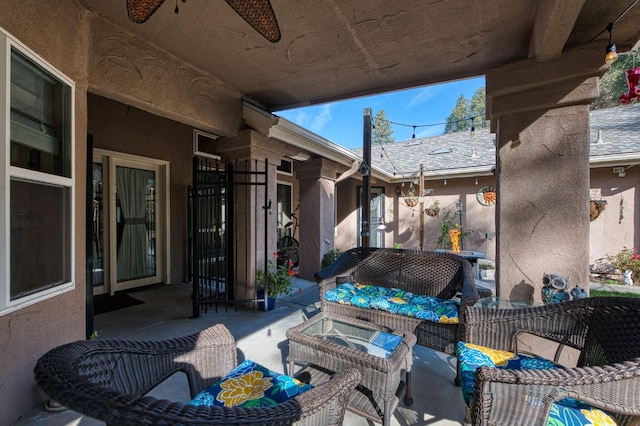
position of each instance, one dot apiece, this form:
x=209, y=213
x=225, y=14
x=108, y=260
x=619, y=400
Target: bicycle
x=288, y=247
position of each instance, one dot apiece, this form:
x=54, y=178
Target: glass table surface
x=365, y=339
x=505, y=303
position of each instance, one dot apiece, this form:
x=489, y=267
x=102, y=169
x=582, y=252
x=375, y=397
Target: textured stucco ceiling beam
x=552, y=27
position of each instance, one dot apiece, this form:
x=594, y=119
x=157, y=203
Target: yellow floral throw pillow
x=250, y=385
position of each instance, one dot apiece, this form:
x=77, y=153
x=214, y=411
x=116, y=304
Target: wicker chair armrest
x=94, y=376
x=524, y=397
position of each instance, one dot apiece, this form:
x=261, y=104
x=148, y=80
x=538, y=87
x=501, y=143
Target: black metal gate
x=225, y=202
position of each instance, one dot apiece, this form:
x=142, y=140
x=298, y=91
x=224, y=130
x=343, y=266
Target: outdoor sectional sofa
x=420, y=273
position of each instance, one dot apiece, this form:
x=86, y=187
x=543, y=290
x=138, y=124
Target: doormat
x=103, y=305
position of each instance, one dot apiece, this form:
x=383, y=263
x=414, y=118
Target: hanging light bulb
x=473, y=129
x=445, y=181
x=611, y=53
x=413, y=136
x=476, y=181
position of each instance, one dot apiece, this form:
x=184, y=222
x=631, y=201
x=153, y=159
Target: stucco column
x=316, y=216
x=540, y=112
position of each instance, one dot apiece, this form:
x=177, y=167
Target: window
x=36, y=168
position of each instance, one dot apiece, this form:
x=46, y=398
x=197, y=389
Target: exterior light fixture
x=476, y=181
x=611, y=53
x=445, y=181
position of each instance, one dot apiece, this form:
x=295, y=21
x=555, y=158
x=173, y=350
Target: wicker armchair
x=605, y=331
x=429, y=273
x=107, y=380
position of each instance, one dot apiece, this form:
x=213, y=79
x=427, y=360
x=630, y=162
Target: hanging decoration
x=633, y=94
x=411, y=197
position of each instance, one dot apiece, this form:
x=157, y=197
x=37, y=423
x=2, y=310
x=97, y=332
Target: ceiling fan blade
x=259, y=14
x=141, y=10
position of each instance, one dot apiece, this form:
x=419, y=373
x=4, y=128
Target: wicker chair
x=604, y=330
x=429, y=273
x=107, y=380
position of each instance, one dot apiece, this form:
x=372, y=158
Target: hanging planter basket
x=433, y=212
x=595, y=208
x=411, y=201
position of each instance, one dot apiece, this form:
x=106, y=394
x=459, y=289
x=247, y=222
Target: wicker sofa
x=428, y=273
x=108, y=379
x=604, y=333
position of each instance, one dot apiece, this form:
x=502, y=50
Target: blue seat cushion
x=250, y=385
x=567, y=412
x=396, y=301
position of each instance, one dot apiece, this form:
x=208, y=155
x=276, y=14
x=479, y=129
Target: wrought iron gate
x=225, y=202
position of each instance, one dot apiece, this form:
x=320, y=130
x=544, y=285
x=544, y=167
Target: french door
x=128, y=222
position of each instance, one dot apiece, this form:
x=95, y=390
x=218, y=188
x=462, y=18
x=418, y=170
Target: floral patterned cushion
x=567, y=412
x=250, y=385
x=396, y=301
x=342, y=293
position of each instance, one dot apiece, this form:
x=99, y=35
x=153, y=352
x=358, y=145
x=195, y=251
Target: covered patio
x=143, y=90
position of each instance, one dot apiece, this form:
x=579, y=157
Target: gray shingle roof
x=619, y=130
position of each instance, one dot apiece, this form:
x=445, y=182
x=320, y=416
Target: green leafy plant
x=397, y=245
x=279, y=279
x=627, y=259
x=330, y=257
x=448, y=223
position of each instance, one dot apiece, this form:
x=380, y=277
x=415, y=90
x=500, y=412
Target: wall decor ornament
x=555, y=288
x=486, y=195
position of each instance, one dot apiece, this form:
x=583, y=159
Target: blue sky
x=342, y=122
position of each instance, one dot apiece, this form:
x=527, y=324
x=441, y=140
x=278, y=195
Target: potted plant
x=330, y=257
x=449, y=223
x=433, y=209
x=277, y=280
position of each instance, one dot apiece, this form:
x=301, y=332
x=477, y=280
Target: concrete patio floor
x=260, y=336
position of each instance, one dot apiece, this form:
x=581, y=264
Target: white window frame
x=7, y=43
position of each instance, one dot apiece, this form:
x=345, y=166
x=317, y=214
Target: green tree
x=477, y=108
x=382, y=132
x=614, y=82
x=458, y=120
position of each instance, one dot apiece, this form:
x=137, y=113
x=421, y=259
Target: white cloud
x=423, y=95
x=320, y=120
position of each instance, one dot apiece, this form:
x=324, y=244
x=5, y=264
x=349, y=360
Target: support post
x=366, y=179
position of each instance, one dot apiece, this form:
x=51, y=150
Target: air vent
x=441, y=151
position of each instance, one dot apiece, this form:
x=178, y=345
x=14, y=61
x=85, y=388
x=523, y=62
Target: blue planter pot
x=270, y=305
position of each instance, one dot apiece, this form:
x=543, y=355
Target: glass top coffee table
x=325, y=344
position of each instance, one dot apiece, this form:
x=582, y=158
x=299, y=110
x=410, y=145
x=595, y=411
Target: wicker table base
x=382, y=382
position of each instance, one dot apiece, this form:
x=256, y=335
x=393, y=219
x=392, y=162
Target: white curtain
x=131, y=186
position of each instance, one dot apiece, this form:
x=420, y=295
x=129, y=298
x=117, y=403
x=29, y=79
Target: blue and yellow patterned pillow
x=567, y=412
x=570, y=412
x=250, y=385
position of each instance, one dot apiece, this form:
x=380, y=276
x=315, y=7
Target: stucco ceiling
x=332, y=49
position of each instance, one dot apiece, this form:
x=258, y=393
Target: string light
x=473, y=129
x=417, y=126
